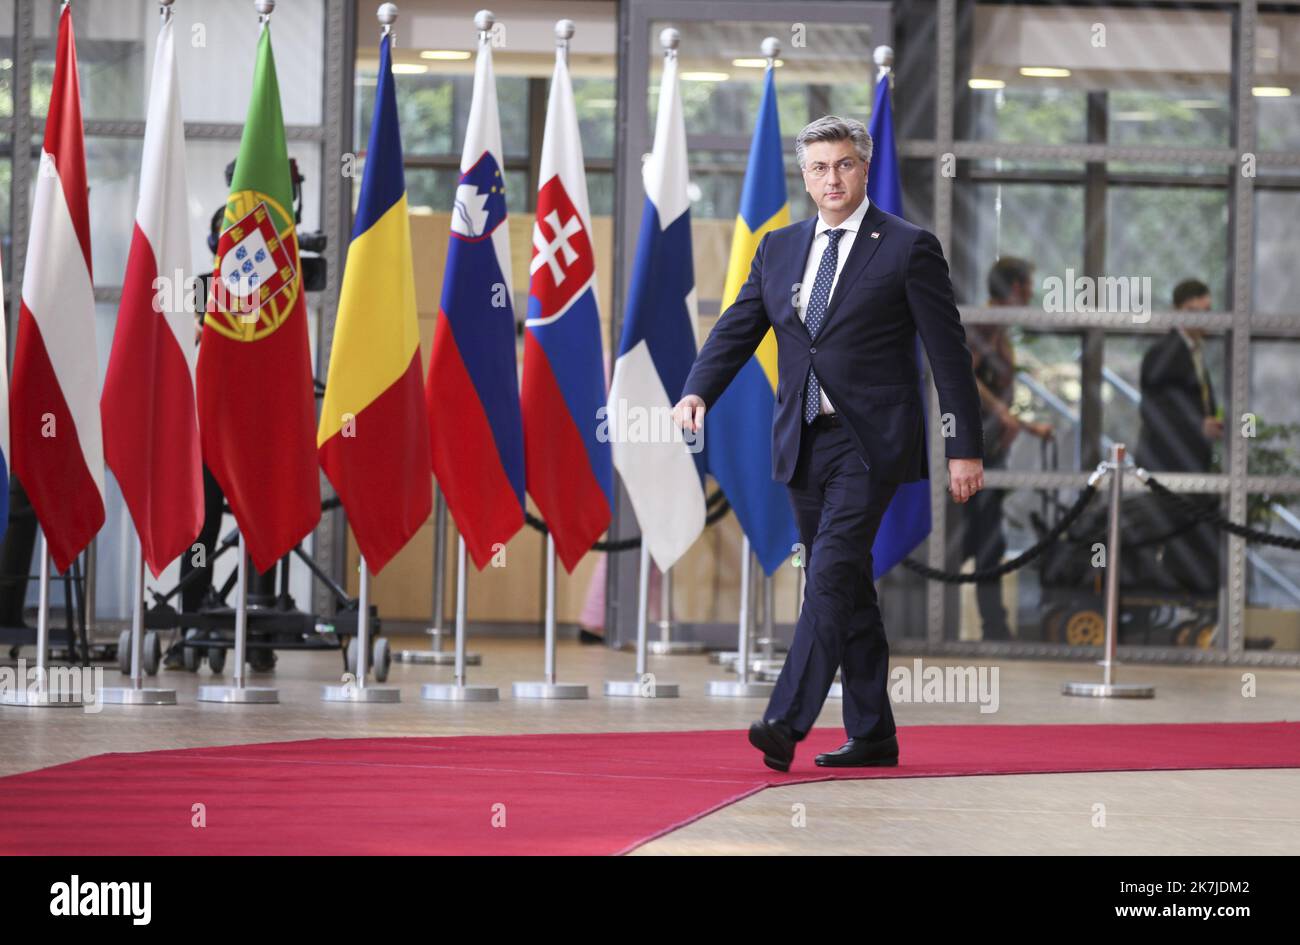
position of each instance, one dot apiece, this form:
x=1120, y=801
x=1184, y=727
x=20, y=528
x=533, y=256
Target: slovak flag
x=664, y=479
x=567, y=457
x=472, y=390
x=54, y=403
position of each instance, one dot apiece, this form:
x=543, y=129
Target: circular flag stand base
x=636, y=689
x=351, y=692
x=436, y=657
x=734, y=689
x=450, y=692
x=37, y=699
x=127, y=695
x=239, y=695
x=674, y=647
x=1108, y=690
x=545, y=690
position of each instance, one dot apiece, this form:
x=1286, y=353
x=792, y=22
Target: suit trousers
x=838, y=504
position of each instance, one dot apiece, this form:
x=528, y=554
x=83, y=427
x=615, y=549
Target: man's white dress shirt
x=819, y=244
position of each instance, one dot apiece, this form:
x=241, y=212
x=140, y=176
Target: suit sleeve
x=733, y=339
x=930, y=298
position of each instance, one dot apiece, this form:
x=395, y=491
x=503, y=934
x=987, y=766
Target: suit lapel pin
x=875, y=235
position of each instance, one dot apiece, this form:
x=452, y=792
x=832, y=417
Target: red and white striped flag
x=54, y=408
x=151, y=426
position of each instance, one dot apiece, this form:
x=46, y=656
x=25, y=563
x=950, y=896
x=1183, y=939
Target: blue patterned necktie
x=818, y=299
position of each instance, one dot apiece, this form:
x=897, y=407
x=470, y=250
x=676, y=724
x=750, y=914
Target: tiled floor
x=1244, y=812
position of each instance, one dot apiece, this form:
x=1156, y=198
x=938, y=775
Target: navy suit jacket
x=892, y=286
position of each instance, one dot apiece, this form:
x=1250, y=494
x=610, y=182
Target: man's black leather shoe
x=860, y=753
x=776, y=741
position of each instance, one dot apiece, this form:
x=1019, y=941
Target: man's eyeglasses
x=821, y=168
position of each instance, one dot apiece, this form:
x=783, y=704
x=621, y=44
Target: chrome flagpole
x=742, y=686
x=41, y=694
x=548, y=688
x=238, y=692
x=459, y=691
x=137, y=693
x=666, y=645
x=354, y=689
x=437, y=655
x=644, y=685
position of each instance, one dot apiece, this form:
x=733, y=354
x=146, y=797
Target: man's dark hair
x=1189, y=289
x=1007, y=273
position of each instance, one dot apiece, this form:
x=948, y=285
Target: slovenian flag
x=569, y=467
x=54, y=403
x=906, y=521
x=472, y=389
x=373, y=433
x=739, y=439
x=151, y=423
x=664, y=480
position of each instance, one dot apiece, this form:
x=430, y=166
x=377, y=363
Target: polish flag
x=54, y=408
x=151, y=426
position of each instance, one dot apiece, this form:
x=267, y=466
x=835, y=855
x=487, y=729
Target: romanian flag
x=373, y=435
x=739, y=441
x=256, y=396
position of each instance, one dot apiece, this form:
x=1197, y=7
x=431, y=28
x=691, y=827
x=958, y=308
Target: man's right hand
x=689, y=413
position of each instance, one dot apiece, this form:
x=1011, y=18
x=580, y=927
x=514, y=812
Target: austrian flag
x=54, y=404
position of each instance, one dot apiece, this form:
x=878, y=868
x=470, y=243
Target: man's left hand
x=965, y=478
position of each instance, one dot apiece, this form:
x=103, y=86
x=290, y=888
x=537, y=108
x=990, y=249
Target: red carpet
x=573, y=794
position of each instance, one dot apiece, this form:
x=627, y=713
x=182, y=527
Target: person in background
x=1010, y=283
x=1180, y=420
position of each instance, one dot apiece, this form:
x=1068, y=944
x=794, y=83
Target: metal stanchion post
x=459, y=691
x=742, y=686
x=1108, y=688
x=136, y=693
x=238, y=692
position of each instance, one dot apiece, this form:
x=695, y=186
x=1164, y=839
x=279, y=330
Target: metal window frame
x=1237, y=324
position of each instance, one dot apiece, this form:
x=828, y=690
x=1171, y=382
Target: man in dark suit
x=1180, y=419
x=845, y=293
x=1180, y=424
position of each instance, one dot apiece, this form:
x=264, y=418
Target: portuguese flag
x=256, y=403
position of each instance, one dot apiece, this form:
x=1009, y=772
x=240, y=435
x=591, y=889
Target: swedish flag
x=739, y=443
